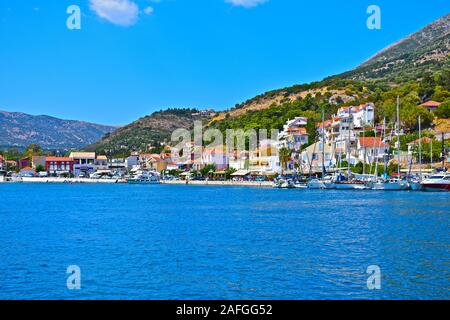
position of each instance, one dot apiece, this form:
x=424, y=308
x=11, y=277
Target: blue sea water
x=197, y=242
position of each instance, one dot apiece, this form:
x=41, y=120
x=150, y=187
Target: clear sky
x=133, y=57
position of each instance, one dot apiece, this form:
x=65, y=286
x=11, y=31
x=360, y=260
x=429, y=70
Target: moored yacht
x=144, y=178
x=437, y=182
x=390, y=185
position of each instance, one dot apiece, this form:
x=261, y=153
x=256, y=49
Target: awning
x=240, y=173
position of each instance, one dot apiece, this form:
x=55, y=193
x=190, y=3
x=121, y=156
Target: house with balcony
x=364, y=116
x=101, y=163
x=265, y=159
x=153, y=162
x=83, y=163
x=372, y=148
x=294, y=134
x=57, y=166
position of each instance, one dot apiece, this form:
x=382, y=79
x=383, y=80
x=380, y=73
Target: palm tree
x=284, y=155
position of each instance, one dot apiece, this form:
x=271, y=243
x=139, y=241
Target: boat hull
x=349, y=186
x=436, y=186
x=390, y=186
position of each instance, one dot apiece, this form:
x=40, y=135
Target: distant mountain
x=147, y=132
x=420, y=53
x=19, y=130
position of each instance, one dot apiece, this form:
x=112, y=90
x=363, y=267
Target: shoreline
x=263, y=184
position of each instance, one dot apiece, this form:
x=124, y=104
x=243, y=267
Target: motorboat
x=144, y=178
x=437, y=182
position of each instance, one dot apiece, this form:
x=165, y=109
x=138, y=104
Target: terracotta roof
x=27, y=169
x=297, y=130
x=372, y=142
x=58, y=159
x=431, y=104
x=102, y=158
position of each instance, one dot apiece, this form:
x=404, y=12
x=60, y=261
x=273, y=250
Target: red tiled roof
x=58, y=159
x=372, y=142
x=431, y=104
x=27, y=169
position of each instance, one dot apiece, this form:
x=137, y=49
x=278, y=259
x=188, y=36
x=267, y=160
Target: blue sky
x=133, y=57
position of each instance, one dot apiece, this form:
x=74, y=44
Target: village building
x=371, y=149
x=431, y=105
x=153, y=162
x=83, y=163
x=317, y=157
x=23, y=163
x=265, y=160
x=57, y=166
x=37, y=161
x=294, y=134
x=2, y=163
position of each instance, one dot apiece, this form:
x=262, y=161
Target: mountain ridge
x=19, y=129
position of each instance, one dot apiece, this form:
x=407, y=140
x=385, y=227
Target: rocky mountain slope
x=19, y=130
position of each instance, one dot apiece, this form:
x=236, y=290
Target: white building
x=372, y=148
x=265, y=159
x=362, y=115
x=83, y=163
x=294, y=134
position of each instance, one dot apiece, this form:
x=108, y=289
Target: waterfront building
x=265, y=159
x=24, y=162
x=56, y=166
x=216, y=157
x=101, y=163
x=132, y=161
x=27, y=172
x=83, y=163
x=2, y=163
x=37, y=161
x=152, y=162
x=238, y=160
x=314, y=158
x=372, y=148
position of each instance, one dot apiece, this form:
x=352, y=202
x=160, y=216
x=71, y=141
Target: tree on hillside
x=443, y=110
x=32, y=150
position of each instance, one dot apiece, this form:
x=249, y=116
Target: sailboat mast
x=398, y=136
x=420, y=147
x=348, y=148
x=323, y=143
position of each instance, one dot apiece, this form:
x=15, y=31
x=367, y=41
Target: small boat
x=144, y=178
x=299, y=185
x=437, y=182
x=390, y=185
x=315, y=184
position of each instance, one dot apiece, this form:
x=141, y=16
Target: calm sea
x=195, y=242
